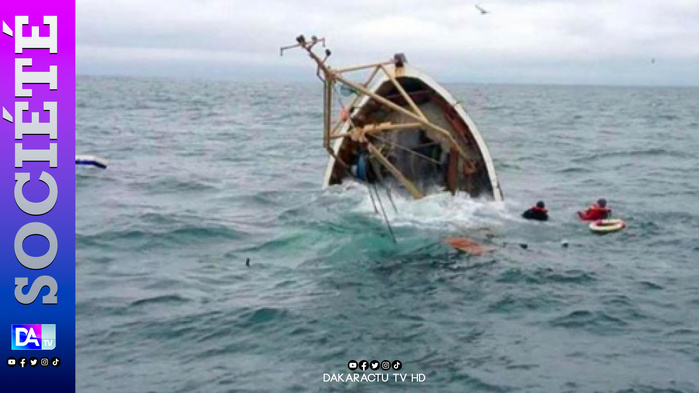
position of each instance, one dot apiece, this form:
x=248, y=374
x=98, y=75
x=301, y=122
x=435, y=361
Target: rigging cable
x=373, y=164
x=388, y=224
x=372, y=198
x=381, y=179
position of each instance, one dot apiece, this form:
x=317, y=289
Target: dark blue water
x=204, y=175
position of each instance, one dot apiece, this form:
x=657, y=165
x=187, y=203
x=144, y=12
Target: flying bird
x=483, y=12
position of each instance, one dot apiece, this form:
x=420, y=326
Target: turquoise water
x=204, y=175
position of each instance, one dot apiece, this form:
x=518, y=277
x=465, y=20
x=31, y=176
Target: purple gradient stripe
x=61, y=218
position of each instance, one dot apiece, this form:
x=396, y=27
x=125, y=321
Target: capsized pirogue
x=402, y=128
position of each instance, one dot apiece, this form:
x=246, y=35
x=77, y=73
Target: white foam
x=438, y=211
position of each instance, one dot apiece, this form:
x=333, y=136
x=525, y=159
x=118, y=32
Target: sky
x=612, y=42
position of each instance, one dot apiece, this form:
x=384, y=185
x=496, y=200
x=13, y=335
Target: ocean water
x=204, y=175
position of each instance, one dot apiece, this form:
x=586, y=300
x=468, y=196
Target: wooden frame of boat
x=415, y=103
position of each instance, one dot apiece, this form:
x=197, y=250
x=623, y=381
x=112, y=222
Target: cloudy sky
x=519, y=41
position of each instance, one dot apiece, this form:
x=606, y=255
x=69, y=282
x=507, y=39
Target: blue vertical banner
x=37, y=195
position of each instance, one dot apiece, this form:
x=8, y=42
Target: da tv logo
x=33, y=337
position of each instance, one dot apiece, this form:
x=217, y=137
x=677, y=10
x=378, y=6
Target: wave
x=594, y=321
x=160, y=299
x=653, y=152
x=141, y=237
x=543, y=276
x=172, y=184
x=574, y=170
x=648, y=285
x=653, y=389
x=511, y=303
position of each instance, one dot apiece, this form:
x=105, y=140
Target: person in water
x=596, y=211
x=538, y=212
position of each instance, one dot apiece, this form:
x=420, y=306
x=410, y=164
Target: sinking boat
x=401, y=128
x=89, y=160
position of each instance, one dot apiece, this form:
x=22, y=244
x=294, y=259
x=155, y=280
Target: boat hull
x=440, y=167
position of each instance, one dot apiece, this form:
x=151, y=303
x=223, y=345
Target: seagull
x=483, y=12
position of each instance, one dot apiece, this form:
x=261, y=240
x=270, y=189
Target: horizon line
x=311, y=80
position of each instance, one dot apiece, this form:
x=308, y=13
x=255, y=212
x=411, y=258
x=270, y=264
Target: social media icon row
x=33, y=362
x=374, y=365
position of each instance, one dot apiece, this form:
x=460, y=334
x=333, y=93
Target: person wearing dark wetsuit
x=538, y=212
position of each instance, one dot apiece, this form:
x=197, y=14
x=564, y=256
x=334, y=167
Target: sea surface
x=204, y=175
